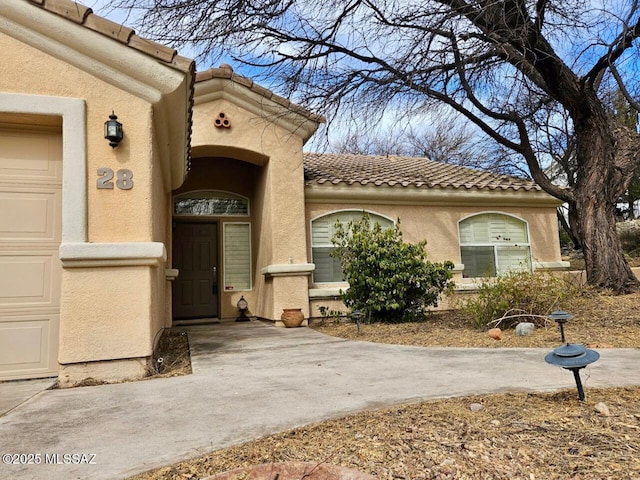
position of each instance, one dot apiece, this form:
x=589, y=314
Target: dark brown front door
x=195, y=255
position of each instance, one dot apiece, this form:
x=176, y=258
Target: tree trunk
x=605, y=264
x=602, y=179
x=567, y=227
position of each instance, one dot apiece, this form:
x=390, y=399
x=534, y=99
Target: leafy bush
x=565, y=239
x=519, y=297
x=389, y=280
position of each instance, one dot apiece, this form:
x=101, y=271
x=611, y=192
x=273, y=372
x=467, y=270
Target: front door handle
x=214, y=284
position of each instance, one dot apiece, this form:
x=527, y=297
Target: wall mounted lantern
x=113, y=130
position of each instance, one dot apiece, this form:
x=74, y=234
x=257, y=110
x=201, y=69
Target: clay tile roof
x=84, y=16
x=226, y=72
x=328, y=168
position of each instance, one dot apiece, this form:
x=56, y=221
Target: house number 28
x=124, y=180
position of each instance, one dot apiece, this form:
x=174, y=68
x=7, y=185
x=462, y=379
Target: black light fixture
x=113, y=130
x=357, y=316
x=561, y=317
x=243, y=306
x=573, y=357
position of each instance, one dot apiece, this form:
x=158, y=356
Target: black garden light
x=243, y=306
x=113, y=130
x=572, y=357
x=561, y=317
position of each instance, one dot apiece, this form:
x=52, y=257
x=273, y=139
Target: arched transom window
x=493, y=244
x=211, y=203
x=322, y=231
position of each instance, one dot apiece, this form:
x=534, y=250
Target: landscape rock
x=524, y=329
x=476, y=407
x=495, y=333
x=602, y=409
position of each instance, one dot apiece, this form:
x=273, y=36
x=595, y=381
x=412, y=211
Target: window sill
x=288, y=269
x=326, y=292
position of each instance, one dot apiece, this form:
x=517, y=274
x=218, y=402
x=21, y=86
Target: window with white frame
x=493, y=244
x=328, y=268
x=237, y=256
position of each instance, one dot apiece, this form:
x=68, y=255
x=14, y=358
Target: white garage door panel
x=29, y=157
x=27, y=279
x=28, y=346
x=30, y=269
x=28, y=216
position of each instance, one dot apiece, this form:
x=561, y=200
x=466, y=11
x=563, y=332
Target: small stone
x=525, y=329
x=495, y=423
x=495, y=333
x=476, y=407
x=602, y=409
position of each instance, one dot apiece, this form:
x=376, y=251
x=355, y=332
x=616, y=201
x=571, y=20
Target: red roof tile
x=82, y=15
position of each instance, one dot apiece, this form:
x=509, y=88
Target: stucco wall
x=107, y=312
x=161, y=215
x=278, y=224
x=112, y=218
x=439, y=226
x=284, y=196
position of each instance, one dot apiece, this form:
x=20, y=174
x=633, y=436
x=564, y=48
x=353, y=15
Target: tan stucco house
x=207, y=198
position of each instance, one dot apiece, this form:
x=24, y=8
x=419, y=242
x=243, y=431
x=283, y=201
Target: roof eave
x=411, y=195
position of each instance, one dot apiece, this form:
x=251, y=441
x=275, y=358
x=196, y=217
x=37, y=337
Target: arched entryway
x=212, y=238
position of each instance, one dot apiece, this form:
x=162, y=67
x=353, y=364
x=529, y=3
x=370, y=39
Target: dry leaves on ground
x=514, y=436
x=600, y=321
x=172, y=356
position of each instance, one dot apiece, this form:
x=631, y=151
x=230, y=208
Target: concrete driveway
x=251, y=380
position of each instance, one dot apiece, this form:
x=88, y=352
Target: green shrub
x=565, y=239
x=389, y=280
x=518, y=297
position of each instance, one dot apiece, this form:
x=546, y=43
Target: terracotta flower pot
x=292, y=317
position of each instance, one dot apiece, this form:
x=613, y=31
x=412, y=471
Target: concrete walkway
x=251, y=380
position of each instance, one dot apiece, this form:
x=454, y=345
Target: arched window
x=211, y=203
x=322, y=231
x=493, y=244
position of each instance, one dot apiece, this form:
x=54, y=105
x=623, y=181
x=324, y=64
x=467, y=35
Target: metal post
x=561, y=330
x=576, y=375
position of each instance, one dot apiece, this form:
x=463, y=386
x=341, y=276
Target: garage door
x=30, y=271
